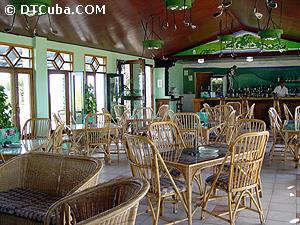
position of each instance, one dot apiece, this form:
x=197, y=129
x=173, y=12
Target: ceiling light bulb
x=201, y=61
x=249, y=59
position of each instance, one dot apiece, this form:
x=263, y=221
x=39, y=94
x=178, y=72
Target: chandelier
x=178, y=4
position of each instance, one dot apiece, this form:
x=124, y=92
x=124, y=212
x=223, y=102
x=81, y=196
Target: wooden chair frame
x=36, y=128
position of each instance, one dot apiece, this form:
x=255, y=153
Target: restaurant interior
x=123, y=112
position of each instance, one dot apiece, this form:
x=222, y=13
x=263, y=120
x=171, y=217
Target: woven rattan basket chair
x=32, y=182
x=36, y=128
x=111, y=203
x=242, y=180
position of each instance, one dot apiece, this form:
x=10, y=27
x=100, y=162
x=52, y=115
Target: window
x=95, y=67
x=59, y=65
x=16, y=77
x=15, y=57
x=57, y=60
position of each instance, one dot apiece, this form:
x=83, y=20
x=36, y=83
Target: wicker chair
x=113, y=202
x=63, y=117
x=147, y=163
x=282, y=148
x=35, y=128
x=32, y=182
x=145, y=113
x=224, y=112
x=248, y=125
x=297, y=113
x=287, y=113
x=55, y=141
x=163, y=109
x=242, y=180
x=169, y=115
x=224, y=136
x=189, y=125
x=237, y=106
x=250, y=113
x=97, y=134
x=119, y=112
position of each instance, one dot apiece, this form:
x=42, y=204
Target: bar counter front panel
x=262, y=105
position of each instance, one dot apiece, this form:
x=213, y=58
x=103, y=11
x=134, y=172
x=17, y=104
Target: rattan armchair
x=287, y=113
x=237, y=106
x=111, y=203
x=35, y=128
x=169, y=115
x=97, y=134
x=224, y=136
x=250, y=113
x=146, y=162
x=189, y=125
x=163, y=109
x=246, y=156
x=32, y=182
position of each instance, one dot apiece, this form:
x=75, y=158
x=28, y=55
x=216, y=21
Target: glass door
x=24, y=97
x=77, y=97
x=134, y=83
x=59, y=95
x=115, y=89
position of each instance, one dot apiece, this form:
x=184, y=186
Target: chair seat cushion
x=26, y=203
x=222, y=182
x=166, y=186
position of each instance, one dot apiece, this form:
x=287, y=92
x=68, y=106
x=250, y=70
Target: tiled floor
x=281, y=196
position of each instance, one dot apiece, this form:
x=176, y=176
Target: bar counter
x=262, y=105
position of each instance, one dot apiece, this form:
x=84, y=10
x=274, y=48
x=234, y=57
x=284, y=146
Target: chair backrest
x=249, y=125
x=224, y=111
x=297, y=113
x=245, y=107
x=51, y=173
x=35, y=128
x=57, y=120
x=113, y=202
x=276, y=123
x=237, y=106
x=163, y=109
x=169, y=115
x=245, y=167
x=56, y=140
x=227, y=130
x=287, y=113
x=213, y=114
x=97, y=120
x=250, y=113
x=189, y=125
x=143, y=113
x=63, y=117
x=119, y=111
x=146, y=162
x=167, y=139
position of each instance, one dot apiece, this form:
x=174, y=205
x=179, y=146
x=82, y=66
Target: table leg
x=189, y=188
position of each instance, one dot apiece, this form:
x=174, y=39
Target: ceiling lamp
x=175, y=5
x=201, y=61
x=152, y=40
x=249, y=59
x=30, y=12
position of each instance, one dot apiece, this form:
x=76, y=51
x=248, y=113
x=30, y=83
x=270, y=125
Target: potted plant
x=8, y=134
x=90, y=101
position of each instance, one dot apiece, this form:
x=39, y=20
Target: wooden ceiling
x=120, y=30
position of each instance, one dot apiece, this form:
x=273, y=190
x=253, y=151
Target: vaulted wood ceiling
x=120, y=30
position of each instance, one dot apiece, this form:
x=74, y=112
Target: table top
x=291, y=126
x=202, y=154
x=23, y=147
x=82, y=126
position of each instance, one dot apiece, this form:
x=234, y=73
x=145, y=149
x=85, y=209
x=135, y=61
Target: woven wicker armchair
x=36, y=128
x=113, y=202
x=32, y=182
x=237, y=106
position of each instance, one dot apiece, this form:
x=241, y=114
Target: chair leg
x=198, y=179
x=204, y=202
x=261, y=214
x=157, y=212
x=230, y=210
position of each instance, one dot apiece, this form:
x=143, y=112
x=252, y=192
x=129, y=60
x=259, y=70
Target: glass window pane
x=101, y=60
x=88, y=59
x=148, y=87
x=91, y=80
x=24, y=52
x=24, y=63
x=57, y=93
x=100, y=93
x=67, y=66
x=78, y=97
x=50, y=65
x=66, y=57
x=58, y=60
x=3, y=62
x=5, y=81
x=13, y=56
x=102, y=69
x=24, y=97
x=51, y=55
x=3, y=49
x=88, y=68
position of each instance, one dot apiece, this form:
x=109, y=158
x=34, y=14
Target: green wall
x=250, y=77
x=40, y=46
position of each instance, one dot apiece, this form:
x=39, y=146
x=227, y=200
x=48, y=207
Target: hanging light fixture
x=175, y=5
x=31, y=11
x=152, y=40
x=271, y=31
